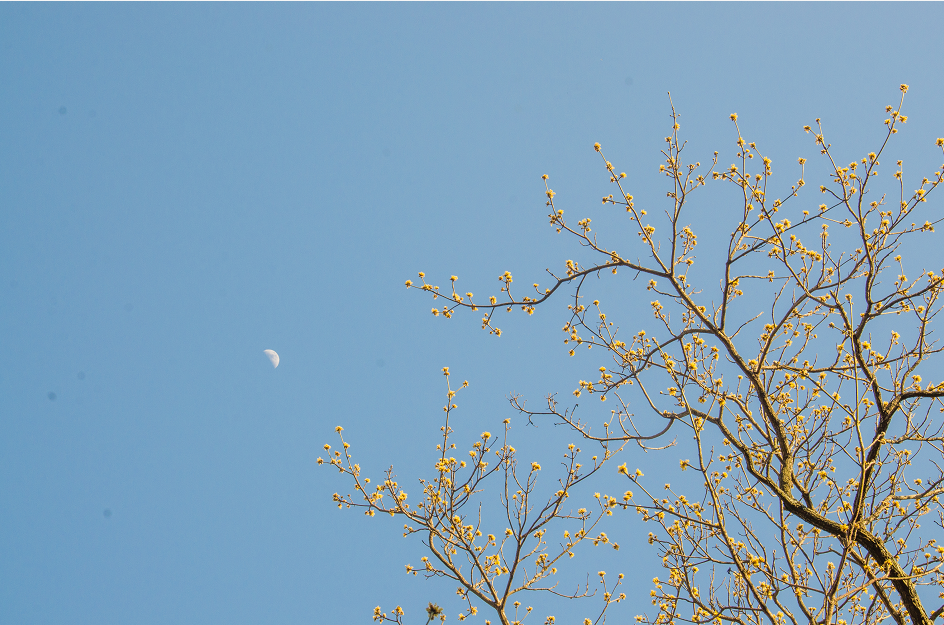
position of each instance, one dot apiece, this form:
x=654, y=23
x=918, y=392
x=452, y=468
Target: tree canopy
x=792, y=374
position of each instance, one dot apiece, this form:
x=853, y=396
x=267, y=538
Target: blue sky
x=185, y=185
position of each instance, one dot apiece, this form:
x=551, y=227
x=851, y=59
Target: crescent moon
x=273, y=357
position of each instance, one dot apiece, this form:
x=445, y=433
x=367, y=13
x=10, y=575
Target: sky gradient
x=185, y=185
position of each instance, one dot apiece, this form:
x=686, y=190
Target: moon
x=272, y=356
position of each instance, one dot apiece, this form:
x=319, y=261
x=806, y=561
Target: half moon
x=273, y=357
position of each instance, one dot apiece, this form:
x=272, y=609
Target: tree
x=488, y=567
x=798, y=367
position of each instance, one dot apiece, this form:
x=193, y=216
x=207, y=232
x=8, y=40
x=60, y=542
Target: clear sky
x=185, y=185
